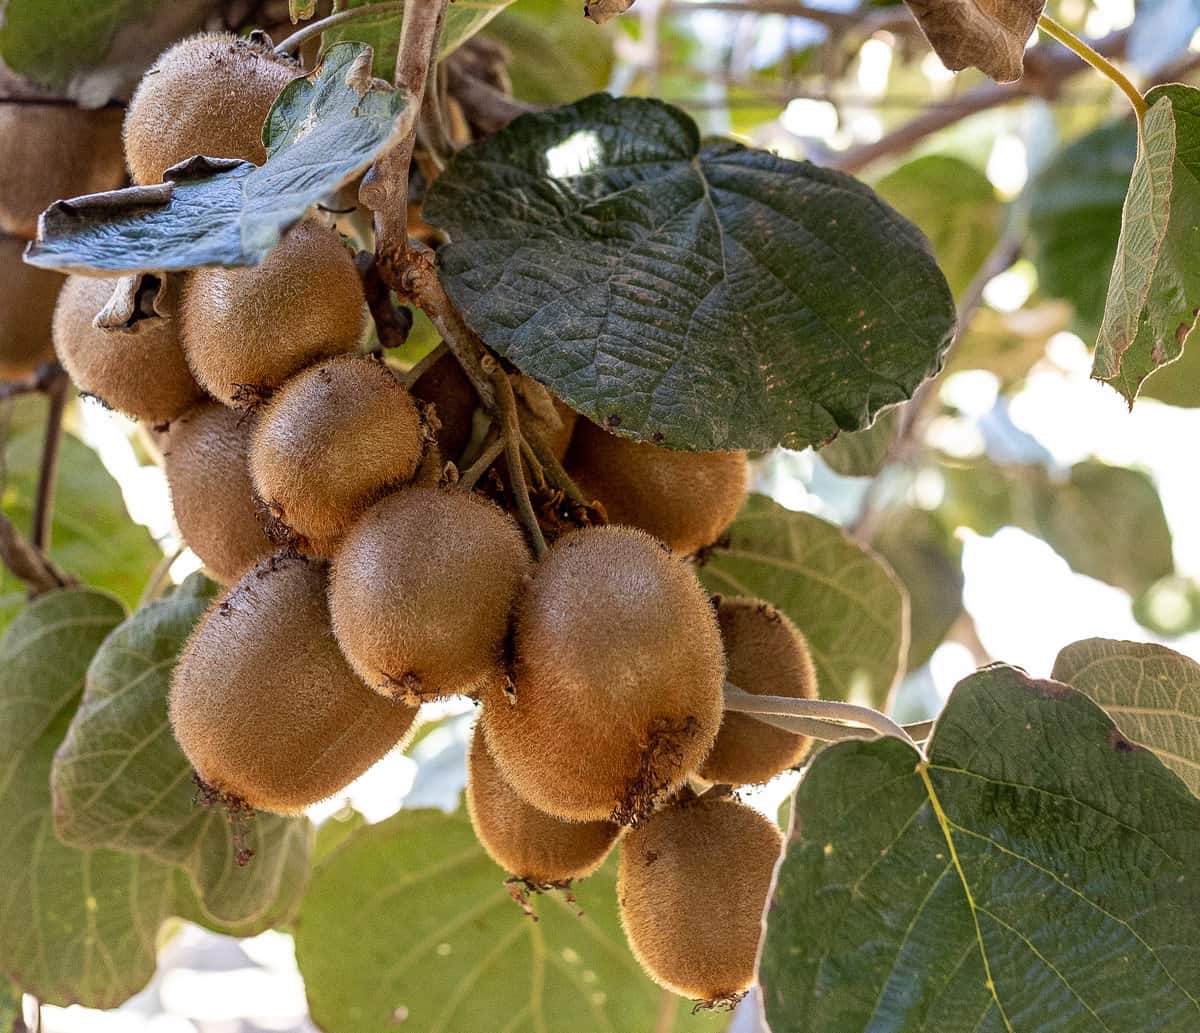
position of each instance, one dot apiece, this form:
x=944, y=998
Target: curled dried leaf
x=986, y=34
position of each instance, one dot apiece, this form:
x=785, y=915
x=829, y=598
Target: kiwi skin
x=449, y=390
x=208, y=94
x=205, y=456
x=766, y=655
x=52, y=151
x=524, y=841
x=618, y=674
x=334, y=439
x=245, y=331
x=139, y=371
x=421, y=592
x=685, y=498
x=263, y=702
x=27, y=296
x=692, y=885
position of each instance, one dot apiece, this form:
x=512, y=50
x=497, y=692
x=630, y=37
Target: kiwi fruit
x=335, y=438
x=525, y=842
x=766, y=655
x=27, y=296
x=618, y=676
x=208, y=94
x=205, y=456
x=245, y=331
x=685, y=498
x=52, y=151
x=264, y=704
x=137, y=368
x=692, y=885
x=421, y=592
x=445, y=386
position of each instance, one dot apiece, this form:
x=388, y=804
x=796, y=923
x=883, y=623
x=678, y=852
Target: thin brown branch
x=470, y=476
x=392, y=324
x=43, y=506
x=38, y=382
x=486, y=108
x=864, y=20
x=28, y=563
x=510, y=433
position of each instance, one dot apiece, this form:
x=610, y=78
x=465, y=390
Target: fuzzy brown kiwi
x=263, y=702
x=245, y=331
x=27, y=296
x=449, y=390
x=766, y=655
x=205, y=456
x=421, y=591
x=334, y=439
x=618, y=679
x=692, y=886
x=208, y=94
x=685, y=498
x=525, y=842
x=52, y=151
x=137, y=369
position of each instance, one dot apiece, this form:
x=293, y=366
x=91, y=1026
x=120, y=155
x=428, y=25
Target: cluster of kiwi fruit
x=318, y=481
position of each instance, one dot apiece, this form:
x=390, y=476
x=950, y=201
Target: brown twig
x=486, y=108
x=38, y=382
x=28, y=563
x=510, y=432
x=491, y=452
x=393, y=324
x=43, y=508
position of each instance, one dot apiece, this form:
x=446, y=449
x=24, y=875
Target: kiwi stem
x=470, y=476
x=510, y=433
x=831, y=719
x=27, y=563
x=364, y=13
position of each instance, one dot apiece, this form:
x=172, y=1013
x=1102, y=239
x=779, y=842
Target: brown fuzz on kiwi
x=52, y=151
x=449, y=390
x=768, y=656
x=685, y=498
x=263, y=702
x=334, y=439
x=137, y=368
x=27, y=296
x=245, y=331
x=527, y=843
x=208, y=94
x=421, y=592
x=618, y=679
x=205, y=456
x=692, y=886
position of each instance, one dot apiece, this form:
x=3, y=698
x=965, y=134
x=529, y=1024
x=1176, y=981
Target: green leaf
x=10, y=1005
x=928, y=562
x=954, y=204
x=408, y=921
x=1075, y=217
x=92, y=535
x=1154, y=292
x=863, y=453
x=121, y=781
x=323, y=130
x=700, y=296
x=845, y=600
x=1151, y=691
x=1039, y=873
x=464, y=18
x=555, y=54
x=75, y=925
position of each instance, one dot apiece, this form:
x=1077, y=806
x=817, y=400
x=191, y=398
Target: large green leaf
x=464, y=18
x=408, y=921
x=848, y=604
x=1152, y=692
x=954, y=205
x=75, y=925
x=1039, y=873
x=120, y=780
x=92, y=536
x=1154, y=292
x=698, y=295
x=323, y=130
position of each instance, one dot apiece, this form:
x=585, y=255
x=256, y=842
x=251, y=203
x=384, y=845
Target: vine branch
x=27, y=562
x=1105, y=67
x=43, y=507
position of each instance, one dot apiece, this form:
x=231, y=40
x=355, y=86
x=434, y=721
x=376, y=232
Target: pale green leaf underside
x=120, y=780
x=410, y=918
x=74, y=925
x=1151, y=691
x=325, y=129
x=844, y=599
x=1040, y=873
